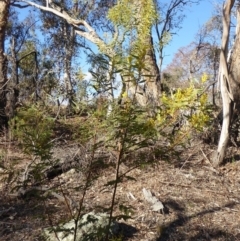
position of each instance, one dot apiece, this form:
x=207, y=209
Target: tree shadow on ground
x=234, y=158
x=18, y=216
x=126, y=230
x=180, y=229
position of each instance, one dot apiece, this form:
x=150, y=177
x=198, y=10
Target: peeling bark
x=225, y=86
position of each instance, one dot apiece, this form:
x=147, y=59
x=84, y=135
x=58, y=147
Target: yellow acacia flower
x=124, y=95
x=204, y=77
x=203, y=99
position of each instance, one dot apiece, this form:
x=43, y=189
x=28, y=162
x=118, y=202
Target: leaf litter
x=200, y=203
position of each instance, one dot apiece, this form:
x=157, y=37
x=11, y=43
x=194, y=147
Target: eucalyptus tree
x=4, y=14
x=13, y=36
x=22, y=54
x=134, y=20
x=191, y=62
x=89, y=28
x=82, y=25
x=61, y=46
x=6, y=93
x=229, y=79
x=209, y=37
x=172, y=14
x=66, y=45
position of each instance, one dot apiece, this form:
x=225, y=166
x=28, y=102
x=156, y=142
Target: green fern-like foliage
x=134, y=18
x=141, y=14
x=34, y=129
x=131, y=124
x=122, y=13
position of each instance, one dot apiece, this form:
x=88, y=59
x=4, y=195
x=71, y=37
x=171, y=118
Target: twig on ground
x=212, y=168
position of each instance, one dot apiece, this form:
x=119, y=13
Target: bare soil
x=200, y=202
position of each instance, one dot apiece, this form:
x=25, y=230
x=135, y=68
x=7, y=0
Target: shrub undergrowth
x=128, y=129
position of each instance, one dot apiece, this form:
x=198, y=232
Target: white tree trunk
x=227, y=116
x=225, y=87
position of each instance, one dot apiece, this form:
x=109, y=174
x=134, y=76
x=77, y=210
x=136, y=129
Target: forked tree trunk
x=229, y=83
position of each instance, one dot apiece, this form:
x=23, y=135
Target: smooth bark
x=225, y=87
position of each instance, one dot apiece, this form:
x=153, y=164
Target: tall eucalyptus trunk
x=4, y=11
x=229, y=81
x=151, y=74
x=13, y=92
x=69, y=38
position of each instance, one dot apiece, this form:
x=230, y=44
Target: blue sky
x=196, y=16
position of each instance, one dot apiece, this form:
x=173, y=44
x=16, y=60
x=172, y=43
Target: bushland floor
x=200, y=202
